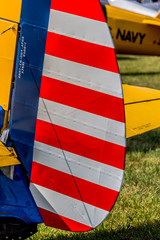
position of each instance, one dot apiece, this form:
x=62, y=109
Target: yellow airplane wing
x=142, y=109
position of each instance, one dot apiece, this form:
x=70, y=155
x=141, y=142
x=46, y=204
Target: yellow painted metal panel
x=8, y=42
x=10, y=10
x=136, y=94
x=158, y=15
x=142, y=109
x=7, y=158
x=133, y=33
x=114, y=12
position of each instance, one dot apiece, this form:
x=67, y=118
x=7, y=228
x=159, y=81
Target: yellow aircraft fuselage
x=133, y=33
x=9, y=19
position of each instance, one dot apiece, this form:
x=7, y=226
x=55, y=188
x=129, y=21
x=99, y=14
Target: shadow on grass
x=140, y=73
x=144, y=142
x=119, y=58
x=149, y=231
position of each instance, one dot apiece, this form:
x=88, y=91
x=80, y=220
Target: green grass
x=136, y=214
x=140, y=71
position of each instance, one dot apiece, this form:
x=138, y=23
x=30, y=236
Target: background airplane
x=152, y=4
x=134, y=33
x=132, y=6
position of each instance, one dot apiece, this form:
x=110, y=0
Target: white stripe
x=67, y=207
x=81, y=28
x=83, y=75
x=84, y=122
x=78, y=166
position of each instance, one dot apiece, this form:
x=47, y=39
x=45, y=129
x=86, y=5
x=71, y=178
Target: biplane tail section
x=67, y=122
x=67, y=117
x=79, y=146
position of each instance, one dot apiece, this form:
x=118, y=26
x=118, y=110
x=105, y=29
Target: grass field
x=136, y=214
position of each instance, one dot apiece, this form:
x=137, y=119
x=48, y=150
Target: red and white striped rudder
x=79, y=147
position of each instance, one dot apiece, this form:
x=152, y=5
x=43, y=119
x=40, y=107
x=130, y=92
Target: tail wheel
x=15, y=229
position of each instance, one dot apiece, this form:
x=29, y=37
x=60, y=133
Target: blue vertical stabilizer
x=15, y=197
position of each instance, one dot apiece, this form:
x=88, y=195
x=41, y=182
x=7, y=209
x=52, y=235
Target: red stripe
x=84, y=8
x=57, y=221
x=81, y=144
x=73, y=187
x=82, y=98
x=81, y=52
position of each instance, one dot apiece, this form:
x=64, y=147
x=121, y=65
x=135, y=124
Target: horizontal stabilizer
x=7, y=156
x=142, y=109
